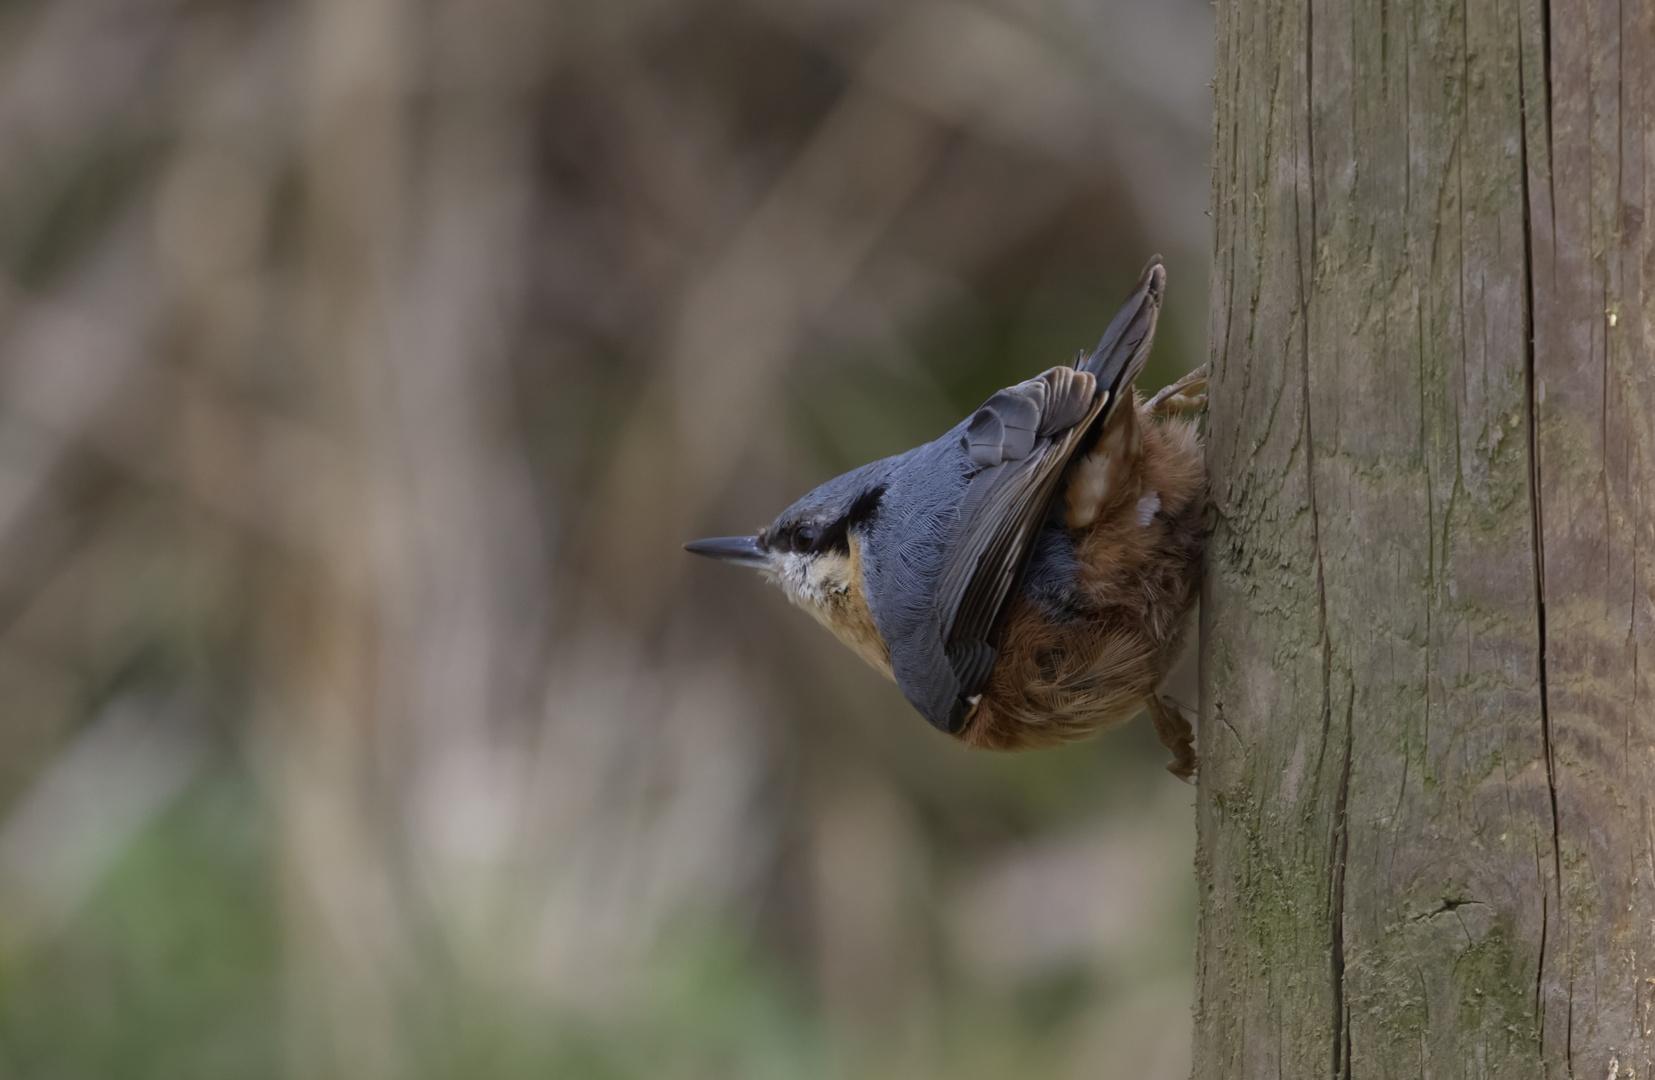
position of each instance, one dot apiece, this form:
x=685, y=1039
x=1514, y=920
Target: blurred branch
x=362, y=366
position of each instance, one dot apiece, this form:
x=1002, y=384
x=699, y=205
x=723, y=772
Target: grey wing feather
x=1005, y=506
x=1121, y=352
x=1009, y=424
x=1070, y=395
x=1004, y=428
x=985, y=438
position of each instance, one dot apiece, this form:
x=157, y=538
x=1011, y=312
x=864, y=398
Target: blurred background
x=363, y=364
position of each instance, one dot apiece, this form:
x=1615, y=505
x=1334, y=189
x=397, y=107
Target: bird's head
x=814, y=550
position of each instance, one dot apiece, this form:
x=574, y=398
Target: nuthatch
x=1025, y=578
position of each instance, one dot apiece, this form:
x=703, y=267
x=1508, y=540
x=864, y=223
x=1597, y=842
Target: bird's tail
x=1121, y=353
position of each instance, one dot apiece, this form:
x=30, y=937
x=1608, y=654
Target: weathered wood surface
x=1427, y=840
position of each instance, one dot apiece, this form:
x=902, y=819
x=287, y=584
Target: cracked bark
x=1432, y=441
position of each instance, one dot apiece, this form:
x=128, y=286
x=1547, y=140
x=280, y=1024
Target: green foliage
x=171, y=971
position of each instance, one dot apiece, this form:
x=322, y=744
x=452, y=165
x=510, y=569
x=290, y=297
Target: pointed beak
x=743, y=550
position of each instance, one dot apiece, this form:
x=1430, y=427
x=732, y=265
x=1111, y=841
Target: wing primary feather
x=1124, y=347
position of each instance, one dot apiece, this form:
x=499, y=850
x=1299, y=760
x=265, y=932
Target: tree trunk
x=1427, y=845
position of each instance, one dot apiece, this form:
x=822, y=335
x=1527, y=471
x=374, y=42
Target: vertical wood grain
x=1426, y=832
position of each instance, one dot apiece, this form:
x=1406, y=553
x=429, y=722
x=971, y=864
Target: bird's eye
x=805, y=537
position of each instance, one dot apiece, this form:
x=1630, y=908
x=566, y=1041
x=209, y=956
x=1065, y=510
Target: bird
x=1026, y=578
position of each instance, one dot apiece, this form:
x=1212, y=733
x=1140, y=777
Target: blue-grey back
x=906, y=552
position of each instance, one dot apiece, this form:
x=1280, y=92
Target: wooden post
x=1427, y=841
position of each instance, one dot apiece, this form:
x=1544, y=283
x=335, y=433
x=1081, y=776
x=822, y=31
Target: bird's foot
x=1188, y=394
x=1176, y=735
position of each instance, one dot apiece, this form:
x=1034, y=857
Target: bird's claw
x=1176, y=735
x=1188, y=394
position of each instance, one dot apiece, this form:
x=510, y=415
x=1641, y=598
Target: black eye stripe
x=865, y=507
x=811, y=537
x=834, y=538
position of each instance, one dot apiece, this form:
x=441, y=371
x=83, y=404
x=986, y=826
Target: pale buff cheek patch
x=809, y=580
x=822, y=585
